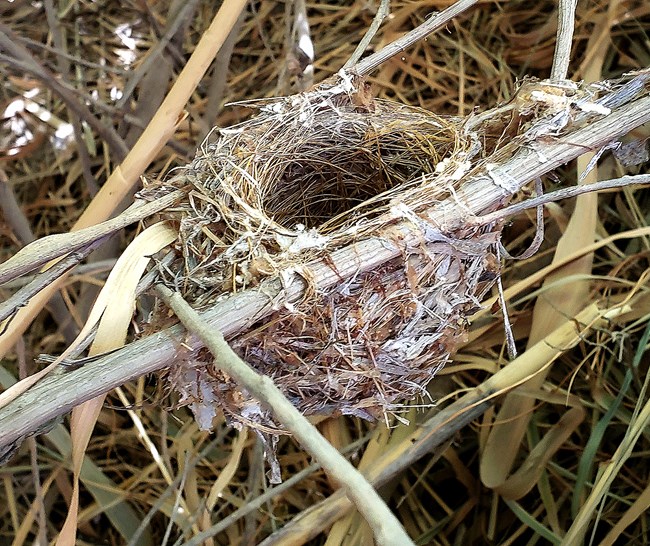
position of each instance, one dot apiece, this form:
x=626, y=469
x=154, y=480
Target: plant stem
x=386, y=527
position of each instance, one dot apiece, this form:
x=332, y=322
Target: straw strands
x=309, y=174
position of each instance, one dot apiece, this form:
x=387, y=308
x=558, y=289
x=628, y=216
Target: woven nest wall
x=307, y=175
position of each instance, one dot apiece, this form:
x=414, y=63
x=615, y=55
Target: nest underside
x=359, y=349
x=308, y=175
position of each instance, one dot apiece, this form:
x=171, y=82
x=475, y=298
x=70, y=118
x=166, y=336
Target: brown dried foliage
x=472, y=64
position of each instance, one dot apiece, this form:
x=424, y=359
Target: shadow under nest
x=310, y=174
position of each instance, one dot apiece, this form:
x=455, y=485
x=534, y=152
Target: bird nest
x=310, y=174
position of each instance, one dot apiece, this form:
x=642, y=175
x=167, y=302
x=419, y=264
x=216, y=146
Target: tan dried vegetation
x=346, y=239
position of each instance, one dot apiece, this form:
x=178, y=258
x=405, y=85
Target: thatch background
x=475, y=62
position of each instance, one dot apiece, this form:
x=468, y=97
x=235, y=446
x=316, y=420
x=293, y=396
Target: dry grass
x=588, y=409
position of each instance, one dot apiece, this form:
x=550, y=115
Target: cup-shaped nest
x=307, y=175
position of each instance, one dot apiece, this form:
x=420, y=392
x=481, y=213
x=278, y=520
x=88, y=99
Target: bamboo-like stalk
x=439, y=20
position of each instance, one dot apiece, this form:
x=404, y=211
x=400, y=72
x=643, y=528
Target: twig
x=565, y=26
x=97, y=269
x=367, y=65
x=22, y=296
x=48, y=248
x=560, y=195
x=382, y=13
x=386, y=527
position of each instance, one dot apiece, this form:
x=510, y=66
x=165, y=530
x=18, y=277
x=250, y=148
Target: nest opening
x=320, y=185
x=317, y=166
x=312, y=195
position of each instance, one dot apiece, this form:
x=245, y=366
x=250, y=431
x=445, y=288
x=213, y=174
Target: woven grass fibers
x=307, y=175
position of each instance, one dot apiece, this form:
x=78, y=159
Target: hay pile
x=309, y=174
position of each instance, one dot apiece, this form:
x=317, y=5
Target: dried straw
x=309, y=174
